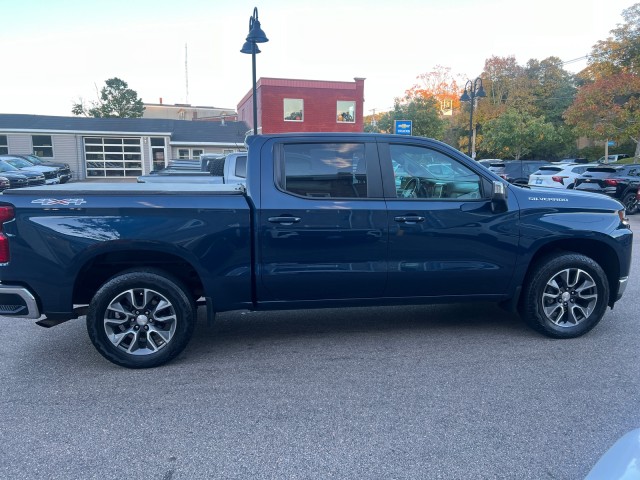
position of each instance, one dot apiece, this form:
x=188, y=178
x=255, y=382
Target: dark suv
x=516, y=171
x=618, y=181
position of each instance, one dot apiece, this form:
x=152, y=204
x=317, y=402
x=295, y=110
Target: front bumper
x=18, y=302
x=622, y=286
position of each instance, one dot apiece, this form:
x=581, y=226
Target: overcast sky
x=56, y=52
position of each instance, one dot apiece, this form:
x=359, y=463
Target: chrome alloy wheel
x=140, y=321
x=569, y=297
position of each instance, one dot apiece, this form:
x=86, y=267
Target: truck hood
x=539, y=197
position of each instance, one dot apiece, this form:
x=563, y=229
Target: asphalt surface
x=439, y=392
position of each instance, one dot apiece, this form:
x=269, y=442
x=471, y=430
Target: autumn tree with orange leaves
x=608, y=104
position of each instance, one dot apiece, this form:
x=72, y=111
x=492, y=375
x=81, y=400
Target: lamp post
x=472, y=90
x=255, y=36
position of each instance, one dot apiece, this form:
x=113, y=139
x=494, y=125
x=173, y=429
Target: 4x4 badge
x=59, y=201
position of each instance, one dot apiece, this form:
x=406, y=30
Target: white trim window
x=4, y=145
x=293, y=110
x=346, y=111
x=184, y=154
x=113, y=157
x=42, y=146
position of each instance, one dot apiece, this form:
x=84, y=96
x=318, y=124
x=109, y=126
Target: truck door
x=444, y=238
x=323, y=228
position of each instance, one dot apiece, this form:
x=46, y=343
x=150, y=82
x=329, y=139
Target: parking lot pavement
x=439, y=392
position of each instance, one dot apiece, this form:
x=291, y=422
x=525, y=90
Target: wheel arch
x=599, y=251
x=102, y=266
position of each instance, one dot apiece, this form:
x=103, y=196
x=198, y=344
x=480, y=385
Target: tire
x=141, y=319
x=216, y=167
x=566, y=295
x=630, y=203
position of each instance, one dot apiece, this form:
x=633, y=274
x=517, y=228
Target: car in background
x=618, y=181
x=50, y=174
x=516, y=171
x=612, y=158
x=557, y=175
x=572, y=160
x=64, y=170
x=33, y=179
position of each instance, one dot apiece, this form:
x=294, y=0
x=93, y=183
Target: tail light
x=611, y=182
x=6, y=214
x=502, y=175
x=559, y=179
x=638, y=195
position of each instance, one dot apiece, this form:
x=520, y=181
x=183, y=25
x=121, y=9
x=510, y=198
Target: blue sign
x=611, y=143
x=403, y=127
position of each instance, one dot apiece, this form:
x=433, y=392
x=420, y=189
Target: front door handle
x=284, y=220
x=410, y=219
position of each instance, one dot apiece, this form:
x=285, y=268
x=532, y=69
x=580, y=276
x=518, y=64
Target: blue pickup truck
x=324, y=220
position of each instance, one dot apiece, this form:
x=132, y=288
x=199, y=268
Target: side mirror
x=499, y=197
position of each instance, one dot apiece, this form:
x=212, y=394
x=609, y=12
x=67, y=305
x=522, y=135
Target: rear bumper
x=18, y=302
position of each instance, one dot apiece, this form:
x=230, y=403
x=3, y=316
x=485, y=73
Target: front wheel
x=141, y=319
x=566, y=295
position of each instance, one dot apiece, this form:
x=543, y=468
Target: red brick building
x=286, y=105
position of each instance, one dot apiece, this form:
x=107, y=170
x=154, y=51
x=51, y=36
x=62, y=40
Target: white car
x=557, y=176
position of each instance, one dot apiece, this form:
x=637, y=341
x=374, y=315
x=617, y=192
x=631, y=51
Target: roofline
x=210, y=144
x=81, y=132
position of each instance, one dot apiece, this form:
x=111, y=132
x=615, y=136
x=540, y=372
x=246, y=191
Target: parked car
x=516, y=171
x=557, y=175
x=50, y=174
x=64, y=170
x=31, y=179
x=618, y=181
x=16, y=179
x=613, y=158
x=572, y=160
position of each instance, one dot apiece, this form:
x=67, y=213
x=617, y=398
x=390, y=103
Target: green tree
x=424, y=112
x=608, y=108
x=116, y=100
x=620, y=53
x=516, y=134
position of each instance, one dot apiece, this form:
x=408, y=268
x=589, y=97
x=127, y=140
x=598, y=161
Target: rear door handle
x=284, y=220
x=410, y=219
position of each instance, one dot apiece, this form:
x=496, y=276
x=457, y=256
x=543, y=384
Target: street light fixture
x=472, y=90
x=256, y=35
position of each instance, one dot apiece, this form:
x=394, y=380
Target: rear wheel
x=141, y=319
x=566, y=295
x=630, y=202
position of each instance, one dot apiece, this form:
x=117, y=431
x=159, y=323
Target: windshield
x=18, y=163
x=5, y=167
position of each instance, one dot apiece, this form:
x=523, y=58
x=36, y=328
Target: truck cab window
x=424, y=173
x=330, y=170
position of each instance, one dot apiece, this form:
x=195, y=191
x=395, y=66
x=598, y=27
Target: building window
x=4, y=145
x=113, y=157
x=293, y=110
x=346, y=112
x=42, y=146
x=330, y=170
x=196, y=153
x=183, y=153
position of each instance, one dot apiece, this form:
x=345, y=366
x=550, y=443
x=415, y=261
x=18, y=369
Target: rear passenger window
x=329, y=170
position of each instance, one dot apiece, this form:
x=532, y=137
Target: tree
x=515, y=134
x=608, y=108
x=440, y=84
x=116, y=100
x=423, y=112
x=619, y=53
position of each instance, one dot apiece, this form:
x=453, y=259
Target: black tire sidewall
x=171, y=288
x=544, y=270
x=630, y=195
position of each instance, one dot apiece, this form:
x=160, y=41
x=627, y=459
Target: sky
x=57, y=52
